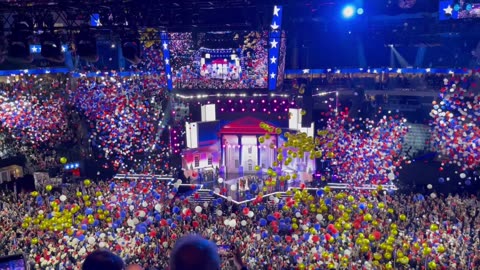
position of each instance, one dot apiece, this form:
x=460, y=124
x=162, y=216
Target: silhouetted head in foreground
x=102, y=259
x=194, y=253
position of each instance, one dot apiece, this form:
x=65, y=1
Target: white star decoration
x=448, y=10
x=275, y=26
x=275, y=10
x=273, y=60
x=165, y=45
x=274, y=43
x=306, y=71
x=34, y=49
x=272, y=76
x=167, y=61
x=168, y=76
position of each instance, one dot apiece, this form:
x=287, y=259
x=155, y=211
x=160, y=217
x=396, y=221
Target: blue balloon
x=328, y=201
x=441, y=180
x=179, y=218
x=173, y=225
x=88, y=211
x=264, y=234
x=169, y=221
x=253, y=187
x=263, y=222
x=270, y=218
x=158, y=217
x=276, y=238
x=306, y=236
x=317, y=227
x=319, y=192
x=84, y=227
x=146, y=239
x=176, y=210
x=81, y=237
x=362, y=206
x=468, y=182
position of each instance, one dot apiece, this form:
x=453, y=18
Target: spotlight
x=87, y=45
x=348, y=11
x=360, y=11
x=19, y=46
x=52, y=48
x=131, y=50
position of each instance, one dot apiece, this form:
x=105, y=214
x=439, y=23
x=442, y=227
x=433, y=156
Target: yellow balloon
x=87, y=182
x=49, y=187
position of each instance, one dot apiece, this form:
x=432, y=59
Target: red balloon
x=315, y=238
x=195, y=224
x=245, y=211
x=163, y=222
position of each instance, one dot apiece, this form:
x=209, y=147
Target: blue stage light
x=348, y=11
x=360, y=11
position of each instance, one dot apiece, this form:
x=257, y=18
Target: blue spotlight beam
x=274, y=43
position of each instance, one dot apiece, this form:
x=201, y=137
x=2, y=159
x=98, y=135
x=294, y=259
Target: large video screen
x=219, y=60
x=459, y=9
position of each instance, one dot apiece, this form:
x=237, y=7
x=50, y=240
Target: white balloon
x=40, y=212
x=319, y=217
x=63, y=198
x=102, y=244
x=91, y=240
x=233, y=187
x=113, y=198
x=463, y=175
x=131, y=207
x=129, y=201
x=219, y=212
x=298, y=214
x=141, y=213
x=243, y=223
x=391, y=176
x=220, y=180
x=144, y=204
x=233, y=223
x=433, y=195
x=102, y=235
x=429, y=186
x=198, y=209
x=158, y=207
x=226, y=222
x=250, y=214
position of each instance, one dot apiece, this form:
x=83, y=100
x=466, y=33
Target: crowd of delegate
x=141, y=220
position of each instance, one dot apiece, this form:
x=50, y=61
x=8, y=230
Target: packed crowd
x=186, y=63
x=456, y=123
x=35, y=119
x=140, y=220
x=123, y=116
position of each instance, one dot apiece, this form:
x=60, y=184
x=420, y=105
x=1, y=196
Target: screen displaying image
x=219, y=60
x=459, y=9
x=13, y=265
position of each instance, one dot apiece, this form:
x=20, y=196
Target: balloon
x=220, y=180
x=243, y=223
x=87, y=182
x=198, y=209
x=48, y=188
x=63, y=198
x=91, y=240
x=429, y=186
x=63, y=160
